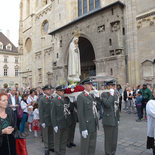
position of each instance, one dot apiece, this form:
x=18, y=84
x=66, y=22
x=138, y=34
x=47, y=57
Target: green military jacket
x=73, y=110
x=110, y=117
x=45, y=110
x=87, y=119
x=60, y=113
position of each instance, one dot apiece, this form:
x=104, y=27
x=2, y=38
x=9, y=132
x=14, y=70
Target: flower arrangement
x=74, y=88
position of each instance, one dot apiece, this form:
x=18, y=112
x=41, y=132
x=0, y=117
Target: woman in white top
x=32, y=97
x=24, y=107
x=130, y=100
x=150, y=110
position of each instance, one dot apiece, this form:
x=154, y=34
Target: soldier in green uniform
x=110, y=118
x=88, y=120
x=71, y=131
x=61, y=120
x=45, y=119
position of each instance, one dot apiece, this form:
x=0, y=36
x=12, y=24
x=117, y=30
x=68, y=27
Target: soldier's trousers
x=48, y=137
x=71, y=132
x=88, y=145
x=60, y=141
x=110, y=142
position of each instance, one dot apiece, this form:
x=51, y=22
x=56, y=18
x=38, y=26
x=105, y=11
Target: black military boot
x=72, y=144
x=69, y=145
x=52, y=150
x=46, y=152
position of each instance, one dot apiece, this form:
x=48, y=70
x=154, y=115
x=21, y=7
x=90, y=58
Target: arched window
x=110, y=42
x=44, y=27
x=9, y=47
x=5, y=70
x=1, y=45
x=16, y=70
x=28, y=44
x=111, y=71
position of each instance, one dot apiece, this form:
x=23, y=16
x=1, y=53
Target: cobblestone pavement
x=131, y=141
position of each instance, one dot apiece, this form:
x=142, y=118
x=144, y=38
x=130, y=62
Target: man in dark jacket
x=13, y=103
x=146, y=96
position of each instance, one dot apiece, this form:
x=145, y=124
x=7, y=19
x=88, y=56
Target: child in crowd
x=30, y=117
x=139, y=105
x=36, y=123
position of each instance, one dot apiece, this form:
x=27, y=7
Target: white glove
x=96, y=93
x=112, y=92
x=85, y=133
x=71, y=99
x=56, y=129
x=43, y=125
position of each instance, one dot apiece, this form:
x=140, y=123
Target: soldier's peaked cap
x=88, y=81
x=47, y=87
x=60, y=88
x=110, y=83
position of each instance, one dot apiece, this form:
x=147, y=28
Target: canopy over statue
x=74, y=67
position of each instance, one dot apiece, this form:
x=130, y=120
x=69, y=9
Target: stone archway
x=87, y=57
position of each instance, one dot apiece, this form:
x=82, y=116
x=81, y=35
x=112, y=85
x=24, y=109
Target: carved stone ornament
x=101, y=28
x=115, y=26
x=44, y=12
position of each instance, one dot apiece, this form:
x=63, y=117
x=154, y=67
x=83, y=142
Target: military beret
x=60, y=88
x=47, y=87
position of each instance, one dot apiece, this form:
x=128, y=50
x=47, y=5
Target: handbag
x=19, y=112
x=21, y=146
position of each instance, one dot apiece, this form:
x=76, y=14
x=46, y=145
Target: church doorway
x=87, y=57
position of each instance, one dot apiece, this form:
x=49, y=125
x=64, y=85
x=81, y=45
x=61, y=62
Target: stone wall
x=47, y=59
x=146, y=46
x=98, y=29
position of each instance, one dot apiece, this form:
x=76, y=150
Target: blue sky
x=9, y=18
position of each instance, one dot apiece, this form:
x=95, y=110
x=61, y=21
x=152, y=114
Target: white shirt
x=112, y=92
x=31, y=99
x=150, y=109
x=31, y=108
x=24, y=106
x=87, y=92
x=36, y=114
x=19, y=98
x=13, y=99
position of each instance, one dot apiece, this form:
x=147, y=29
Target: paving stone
x=130, y=140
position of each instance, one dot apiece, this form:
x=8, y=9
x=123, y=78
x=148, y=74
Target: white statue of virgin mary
x=74, y=67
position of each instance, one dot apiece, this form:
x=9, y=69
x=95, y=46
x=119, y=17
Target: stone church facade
x=115, y=37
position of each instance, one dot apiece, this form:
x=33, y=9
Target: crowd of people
x=47, y=110
x=135, y=100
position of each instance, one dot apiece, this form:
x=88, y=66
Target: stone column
x=131, y=42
